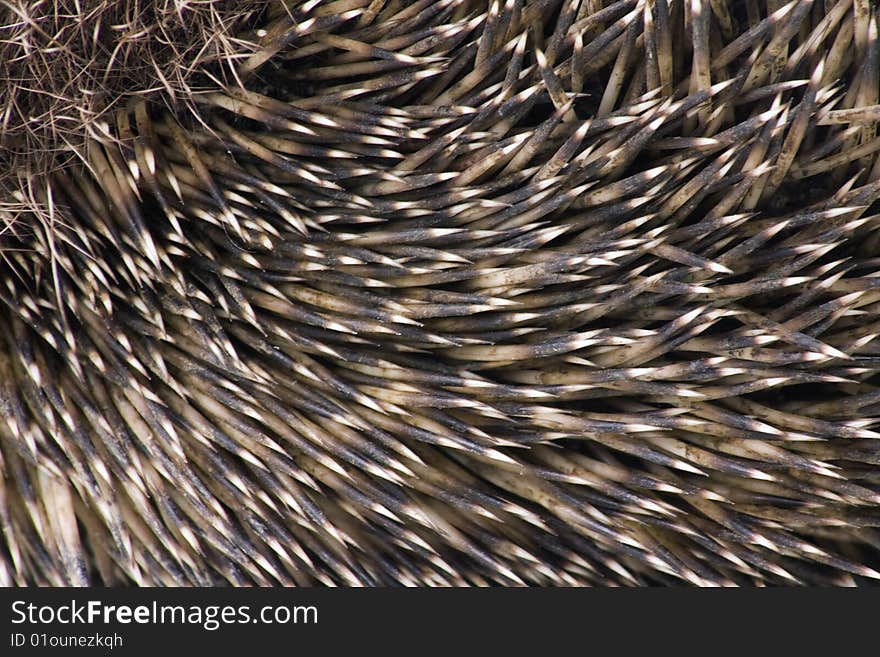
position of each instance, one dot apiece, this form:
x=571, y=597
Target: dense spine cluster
x=453, y=292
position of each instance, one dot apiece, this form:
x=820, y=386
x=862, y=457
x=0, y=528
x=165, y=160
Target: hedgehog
x=440, y=293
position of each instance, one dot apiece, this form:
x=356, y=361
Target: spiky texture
x=459, y=292
x=65, y=65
